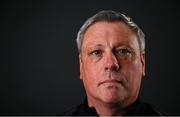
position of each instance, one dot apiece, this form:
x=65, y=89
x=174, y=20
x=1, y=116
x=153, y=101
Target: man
x=112, y=65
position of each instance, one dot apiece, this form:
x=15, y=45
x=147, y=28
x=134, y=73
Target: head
x=112, y=58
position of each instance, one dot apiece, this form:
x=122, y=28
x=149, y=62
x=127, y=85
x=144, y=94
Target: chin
x=113, y=94
x=113, y=98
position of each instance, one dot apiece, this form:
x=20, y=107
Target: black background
x=39, y=60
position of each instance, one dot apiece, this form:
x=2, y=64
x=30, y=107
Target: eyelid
x=95, y=50
x=123, y=51
x=128, y=49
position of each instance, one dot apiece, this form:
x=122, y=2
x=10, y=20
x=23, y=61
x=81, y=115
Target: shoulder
x=147, y=109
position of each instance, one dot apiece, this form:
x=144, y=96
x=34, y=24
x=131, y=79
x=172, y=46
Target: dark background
x=39, y=69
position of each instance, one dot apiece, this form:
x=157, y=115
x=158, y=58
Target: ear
x=143, y=63
x=80, y=65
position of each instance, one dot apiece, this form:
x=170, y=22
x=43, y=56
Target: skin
x=111, y=67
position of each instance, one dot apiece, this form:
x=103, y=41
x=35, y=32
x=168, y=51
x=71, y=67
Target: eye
x=123, y=52
x=96, y=52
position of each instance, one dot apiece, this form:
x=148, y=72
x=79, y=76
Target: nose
x=111, y=63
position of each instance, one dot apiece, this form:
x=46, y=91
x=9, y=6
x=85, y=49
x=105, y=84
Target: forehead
x=109, y=32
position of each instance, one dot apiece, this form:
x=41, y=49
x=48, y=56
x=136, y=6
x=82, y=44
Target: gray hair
x=111, y=16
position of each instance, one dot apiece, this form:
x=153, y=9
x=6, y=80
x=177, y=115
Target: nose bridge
x=110, y=57
x=111, y=60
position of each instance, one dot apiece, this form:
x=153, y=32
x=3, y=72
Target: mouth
x=110, y=82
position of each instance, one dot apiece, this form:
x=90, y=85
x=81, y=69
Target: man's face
x=111, y=65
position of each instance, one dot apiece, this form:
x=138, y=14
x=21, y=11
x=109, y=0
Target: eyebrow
x=122, y=46
x=92, y=46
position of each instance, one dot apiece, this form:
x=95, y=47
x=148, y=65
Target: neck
x=106, y=109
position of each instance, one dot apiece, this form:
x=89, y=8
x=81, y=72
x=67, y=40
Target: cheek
x=134, y=74
x=90, y=80
x=92, y=74
x=92, y=68
x=135, y=67
x=89, y=73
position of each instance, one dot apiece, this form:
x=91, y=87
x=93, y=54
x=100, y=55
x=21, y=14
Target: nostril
x=106, y=69
x=114, y=67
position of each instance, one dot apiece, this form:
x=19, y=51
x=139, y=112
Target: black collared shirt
x=137, y=108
